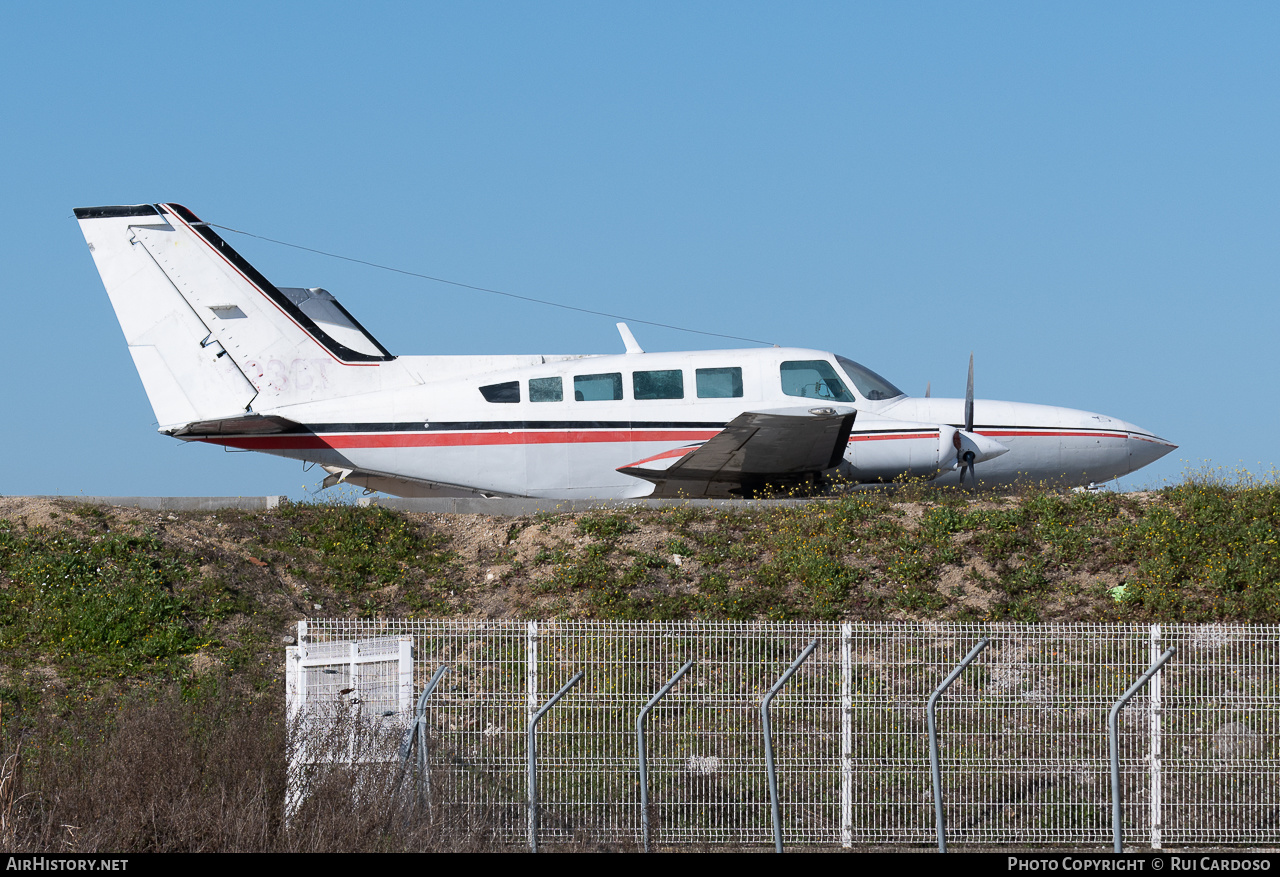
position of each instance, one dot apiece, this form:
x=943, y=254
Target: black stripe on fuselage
x=497, y=425
x=1051, y=430
x=924, y=427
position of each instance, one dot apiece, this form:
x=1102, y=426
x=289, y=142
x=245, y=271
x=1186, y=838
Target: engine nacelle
x=887, y=450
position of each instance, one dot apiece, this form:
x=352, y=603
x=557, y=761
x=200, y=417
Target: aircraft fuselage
x=573, y=448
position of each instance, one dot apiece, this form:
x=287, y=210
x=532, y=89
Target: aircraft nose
x=1144, y=447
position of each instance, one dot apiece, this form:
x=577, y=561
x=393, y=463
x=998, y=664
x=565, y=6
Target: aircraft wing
x=756, y=449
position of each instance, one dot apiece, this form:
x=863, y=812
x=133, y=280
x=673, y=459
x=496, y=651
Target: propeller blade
x=968, y=399
x=927, y=387
x=967, y=457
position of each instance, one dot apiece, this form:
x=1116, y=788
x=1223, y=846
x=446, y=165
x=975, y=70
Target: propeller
x=968, y=399
x=971, y=447
x=965, y=456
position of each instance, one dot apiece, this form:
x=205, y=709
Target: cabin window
x=719, y=383
x=504, y=392
x=814, y=379
x=597, y=388
x=546, y=390
x=667, y=384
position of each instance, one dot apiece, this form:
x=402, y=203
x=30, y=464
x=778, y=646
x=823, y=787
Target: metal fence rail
x=1024, y=731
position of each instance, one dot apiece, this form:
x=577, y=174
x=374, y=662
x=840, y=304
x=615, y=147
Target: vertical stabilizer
x=187, y=376
x=211, y=337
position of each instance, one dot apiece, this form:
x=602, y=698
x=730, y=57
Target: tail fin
x=212, y=338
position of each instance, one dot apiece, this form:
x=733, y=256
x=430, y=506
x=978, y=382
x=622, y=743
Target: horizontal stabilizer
x=396, y=485
x=756, y=448
x=250, y=424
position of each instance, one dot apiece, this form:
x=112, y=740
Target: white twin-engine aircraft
x=229, y=359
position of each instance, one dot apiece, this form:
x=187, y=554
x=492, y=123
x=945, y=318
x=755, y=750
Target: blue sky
x=1084, y=195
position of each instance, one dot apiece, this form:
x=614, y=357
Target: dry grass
x=200, y=775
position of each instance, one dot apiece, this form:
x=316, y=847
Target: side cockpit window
x=814, y=379
x=508, y=391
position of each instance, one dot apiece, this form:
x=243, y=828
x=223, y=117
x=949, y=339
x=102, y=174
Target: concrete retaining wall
x=512, y=506
x=177, y=503
x=504, y=507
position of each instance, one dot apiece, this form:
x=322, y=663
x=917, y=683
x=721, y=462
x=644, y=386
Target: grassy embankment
x=128, y=635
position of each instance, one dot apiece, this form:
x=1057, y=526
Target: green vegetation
x=606, y=526
x=362, y=549
x=108, y=606
x=101, y=601
x=91, y=594
x=1212, y=551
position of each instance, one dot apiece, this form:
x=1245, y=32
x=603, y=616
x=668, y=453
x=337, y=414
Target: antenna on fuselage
x=628, y=340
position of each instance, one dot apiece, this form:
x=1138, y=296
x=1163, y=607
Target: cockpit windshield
x=869, y=384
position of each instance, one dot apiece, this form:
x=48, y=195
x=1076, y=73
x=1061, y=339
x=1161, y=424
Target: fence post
x=940, y=819
x=295, y=696
x=353, y=699
x=768, y=742
x=531, y=709
x=420, y=730
x=1157, y=719
x=533, y=758
x=531, y=669
x=846, y=735
x=644, y=763
x=404, y=702
x=1113, y=737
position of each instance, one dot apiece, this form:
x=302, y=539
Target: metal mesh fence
x=1023, y=732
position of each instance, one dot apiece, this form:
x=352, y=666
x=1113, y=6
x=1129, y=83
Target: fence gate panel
x=346, y=701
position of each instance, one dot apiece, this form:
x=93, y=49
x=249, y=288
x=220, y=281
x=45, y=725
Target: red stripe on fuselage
x=517, y=437
x=891, y=436
x=1048, y=433
x=665, y=455
x=1154, y=441
x=1012, y=432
